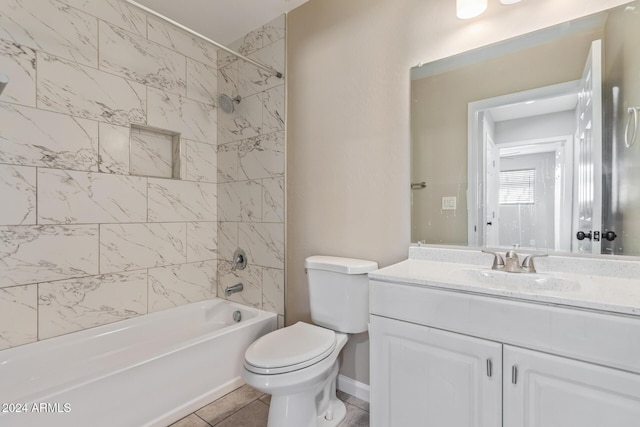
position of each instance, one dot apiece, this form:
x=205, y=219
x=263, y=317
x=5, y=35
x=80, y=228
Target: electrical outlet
x=449, y=203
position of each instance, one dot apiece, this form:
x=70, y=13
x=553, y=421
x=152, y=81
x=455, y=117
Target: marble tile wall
x=154, y=153
x=84, y=241
x=251, y=149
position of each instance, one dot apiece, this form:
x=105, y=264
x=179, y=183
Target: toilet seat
x=289, y=349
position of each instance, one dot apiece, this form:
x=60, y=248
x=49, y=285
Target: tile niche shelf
x=154, y=152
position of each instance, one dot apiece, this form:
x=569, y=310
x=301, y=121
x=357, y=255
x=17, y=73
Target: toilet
x=298, y=365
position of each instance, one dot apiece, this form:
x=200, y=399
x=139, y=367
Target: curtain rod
x=268, y=69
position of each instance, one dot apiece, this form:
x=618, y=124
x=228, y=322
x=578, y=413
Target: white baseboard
x=353, y=387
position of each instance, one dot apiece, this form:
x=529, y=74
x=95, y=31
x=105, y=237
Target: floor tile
x=356, y=417
x=347, y=398
x=191, y=421
x=247, y=407
x=253, y=415
x=225, y=406
x=266, y=398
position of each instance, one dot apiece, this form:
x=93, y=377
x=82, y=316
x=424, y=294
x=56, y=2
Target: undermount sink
x=519, y=281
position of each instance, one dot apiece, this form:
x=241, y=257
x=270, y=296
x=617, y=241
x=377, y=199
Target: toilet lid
x=289, y=349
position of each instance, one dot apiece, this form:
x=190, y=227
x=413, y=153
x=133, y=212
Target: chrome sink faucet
x=511, y=262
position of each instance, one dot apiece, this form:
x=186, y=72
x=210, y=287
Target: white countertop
x=590, y=291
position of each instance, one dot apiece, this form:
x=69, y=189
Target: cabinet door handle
x=489, y=368
x=514, y=374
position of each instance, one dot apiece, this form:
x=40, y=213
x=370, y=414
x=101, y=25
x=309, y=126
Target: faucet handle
x=239, y=260
x=527, y=263
x=498, y=261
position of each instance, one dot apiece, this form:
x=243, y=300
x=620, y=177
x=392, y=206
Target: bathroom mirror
x=530, y=143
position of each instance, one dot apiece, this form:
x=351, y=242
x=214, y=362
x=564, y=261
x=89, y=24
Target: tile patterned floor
x=247, y=407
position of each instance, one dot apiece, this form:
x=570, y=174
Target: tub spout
x=233, y=289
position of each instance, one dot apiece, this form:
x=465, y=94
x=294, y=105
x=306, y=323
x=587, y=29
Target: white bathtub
x=146, y=371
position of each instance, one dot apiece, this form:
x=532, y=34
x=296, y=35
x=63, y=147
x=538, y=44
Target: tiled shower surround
x=85, y=241
x=251, y=169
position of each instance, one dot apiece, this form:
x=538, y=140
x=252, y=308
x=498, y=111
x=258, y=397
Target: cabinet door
x=553, y=391
x=427, y=377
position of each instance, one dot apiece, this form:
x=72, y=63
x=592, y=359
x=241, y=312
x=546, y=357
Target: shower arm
x=268, y=69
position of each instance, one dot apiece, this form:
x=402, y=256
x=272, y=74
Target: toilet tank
x=339, y=292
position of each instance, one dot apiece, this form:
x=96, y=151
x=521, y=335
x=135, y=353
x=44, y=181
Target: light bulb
x=466, y=9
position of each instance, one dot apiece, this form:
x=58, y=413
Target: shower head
x=4, y=81
x=227, y=104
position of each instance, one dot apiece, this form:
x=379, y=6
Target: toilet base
x=314, y=407
x=306, y=397
x=338, y=414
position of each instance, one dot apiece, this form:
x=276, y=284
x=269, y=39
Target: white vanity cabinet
x=551, y=366
x=543, y=390
x=427, y=377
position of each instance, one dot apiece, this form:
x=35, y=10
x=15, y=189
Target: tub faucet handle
x=239, y=260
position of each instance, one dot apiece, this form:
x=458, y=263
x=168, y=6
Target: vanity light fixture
x=467, y=9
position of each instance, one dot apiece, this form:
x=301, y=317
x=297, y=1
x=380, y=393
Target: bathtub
x=147, y=371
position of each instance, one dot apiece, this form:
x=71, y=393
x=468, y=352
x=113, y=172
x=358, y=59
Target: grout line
x=37, y=311
x=186, y=77
x=147, y=290
x=98, y=44
x=205, y=421
x=37, y=222
x=146, y=195
x=35, y=77
x=99, y=245
x=238, y=410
